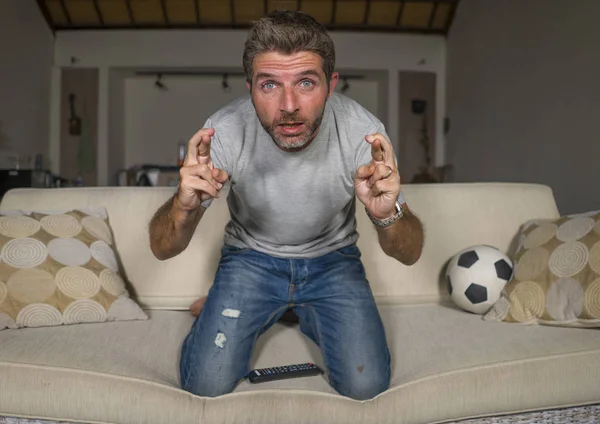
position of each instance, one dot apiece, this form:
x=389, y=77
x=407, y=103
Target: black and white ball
x=476, y=276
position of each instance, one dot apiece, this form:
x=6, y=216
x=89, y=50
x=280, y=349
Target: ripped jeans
x=330, y=295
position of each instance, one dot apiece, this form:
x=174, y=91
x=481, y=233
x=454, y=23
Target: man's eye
x=307, y=83
x=268, y=85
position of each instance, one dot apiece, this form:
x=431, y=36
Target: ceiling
x=408, y=16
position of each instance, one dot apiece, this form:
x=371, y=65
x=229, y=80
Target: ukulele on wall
x=74, y=120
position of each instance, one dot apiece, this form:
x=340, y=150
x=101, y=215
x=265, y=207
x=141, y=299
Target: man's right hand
x=199, y=179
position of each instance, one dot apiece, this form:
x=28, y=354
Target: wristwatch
x=383, y=223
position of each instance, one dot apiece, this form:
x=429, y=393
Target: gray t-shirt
x=299, y=204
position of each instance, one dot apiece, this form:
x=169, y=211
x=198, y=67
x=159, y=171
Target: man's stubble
x=306, y=137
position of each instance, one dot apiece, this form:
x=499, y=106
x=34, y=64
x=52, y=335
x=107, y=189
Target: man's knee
x=207, y=378
x=363, y=383
x=210, y=385
x=199, y=378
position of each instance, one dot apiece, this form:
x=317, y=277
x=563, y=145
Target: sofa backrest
x=455, y=216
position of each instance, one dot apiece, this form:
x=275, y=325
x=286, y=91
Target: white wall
x=524, y=96
x=222, y=50
x=26, y=53
x=156, y=121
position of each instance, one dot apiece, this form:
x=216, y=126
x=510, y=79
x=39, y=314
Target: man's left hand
x=377, y=184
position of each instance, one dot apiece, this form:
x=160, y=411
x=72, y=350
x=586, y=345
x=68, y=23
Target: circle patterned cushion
x=557, y=274
x=60, y=268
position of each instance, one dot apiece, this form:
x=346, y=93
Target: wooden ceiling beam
x=98, y=12
x=399, y=15
x=432, y=16
x=265, y=7
x=130, y=11
x=333, y=11
x=367, y=10
x=163, y=7
x=66, y=11
x=450, y=18
x=232, y=10
x=46, y=14
x=197, y=11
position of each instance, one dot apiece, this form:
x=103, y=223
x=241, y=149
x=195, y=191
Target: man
x=296, y=156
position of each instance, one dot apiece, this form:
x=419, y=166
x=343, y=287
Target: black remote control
x=286, y=371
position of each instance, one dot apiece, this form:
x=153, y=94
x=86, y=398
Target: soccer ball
x=476, y=276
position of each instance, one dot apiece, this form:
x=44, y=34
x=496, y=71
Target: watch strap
x=383, y=223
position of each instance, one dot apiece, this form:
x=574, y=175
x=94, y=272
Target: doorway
x=417, y=126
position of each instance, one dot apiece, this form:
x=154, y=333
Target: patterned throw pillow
x=556, y=277
x=60, y=268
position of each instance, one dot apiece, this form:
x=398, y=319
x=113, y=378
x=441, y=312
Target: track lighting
x=159, y=83
x=346, y=85
x=225, y=84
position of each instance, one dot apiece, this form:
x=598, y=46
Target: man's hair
x=289, y=32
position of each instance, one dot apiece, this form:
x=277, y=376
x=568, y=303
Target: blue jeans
x=330, y=295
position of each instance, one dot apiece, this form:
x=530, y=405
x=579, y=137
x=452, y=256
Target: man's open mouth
x=291, y=128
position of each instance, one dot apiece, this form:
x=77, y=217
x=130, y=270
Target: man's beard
x=294, y=142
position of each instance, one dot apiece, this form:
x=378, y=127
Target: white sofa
x=447, y=364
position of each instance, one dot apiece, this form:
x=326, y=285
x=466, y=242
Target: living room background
x=521, y=83
x=158, y=119
x=118, y=54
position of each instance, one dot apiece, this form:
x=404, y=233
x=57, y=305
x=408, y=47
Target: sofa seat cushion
x=447, y=364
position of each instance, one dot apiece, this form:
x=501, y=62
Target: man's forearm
x=403, y=240
x=172, y=228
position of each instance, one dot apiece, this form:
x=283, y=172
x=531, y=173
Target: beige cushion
x=60, y=267
x=447, y=364
x=556, y=274
x=455, y=216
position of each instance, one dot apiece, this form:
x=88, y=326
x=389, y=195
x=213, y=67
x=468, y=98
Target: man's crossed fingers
x=198, y=169
x=199, y=148
x=383, y=165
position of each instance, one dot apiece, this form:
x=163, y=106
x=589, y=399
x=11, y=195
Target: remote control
x=287, y=371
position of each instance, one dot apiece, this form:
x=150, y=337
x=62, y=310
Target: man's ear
x=335, y=77
x=248, y=85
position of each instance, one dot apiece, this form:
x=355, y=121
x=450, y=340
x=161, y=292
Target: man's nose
x=289, y=101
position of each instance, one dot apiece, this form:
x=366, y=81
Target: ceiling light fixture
x=346, y=85
x=225, y=84
x=158, y=83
